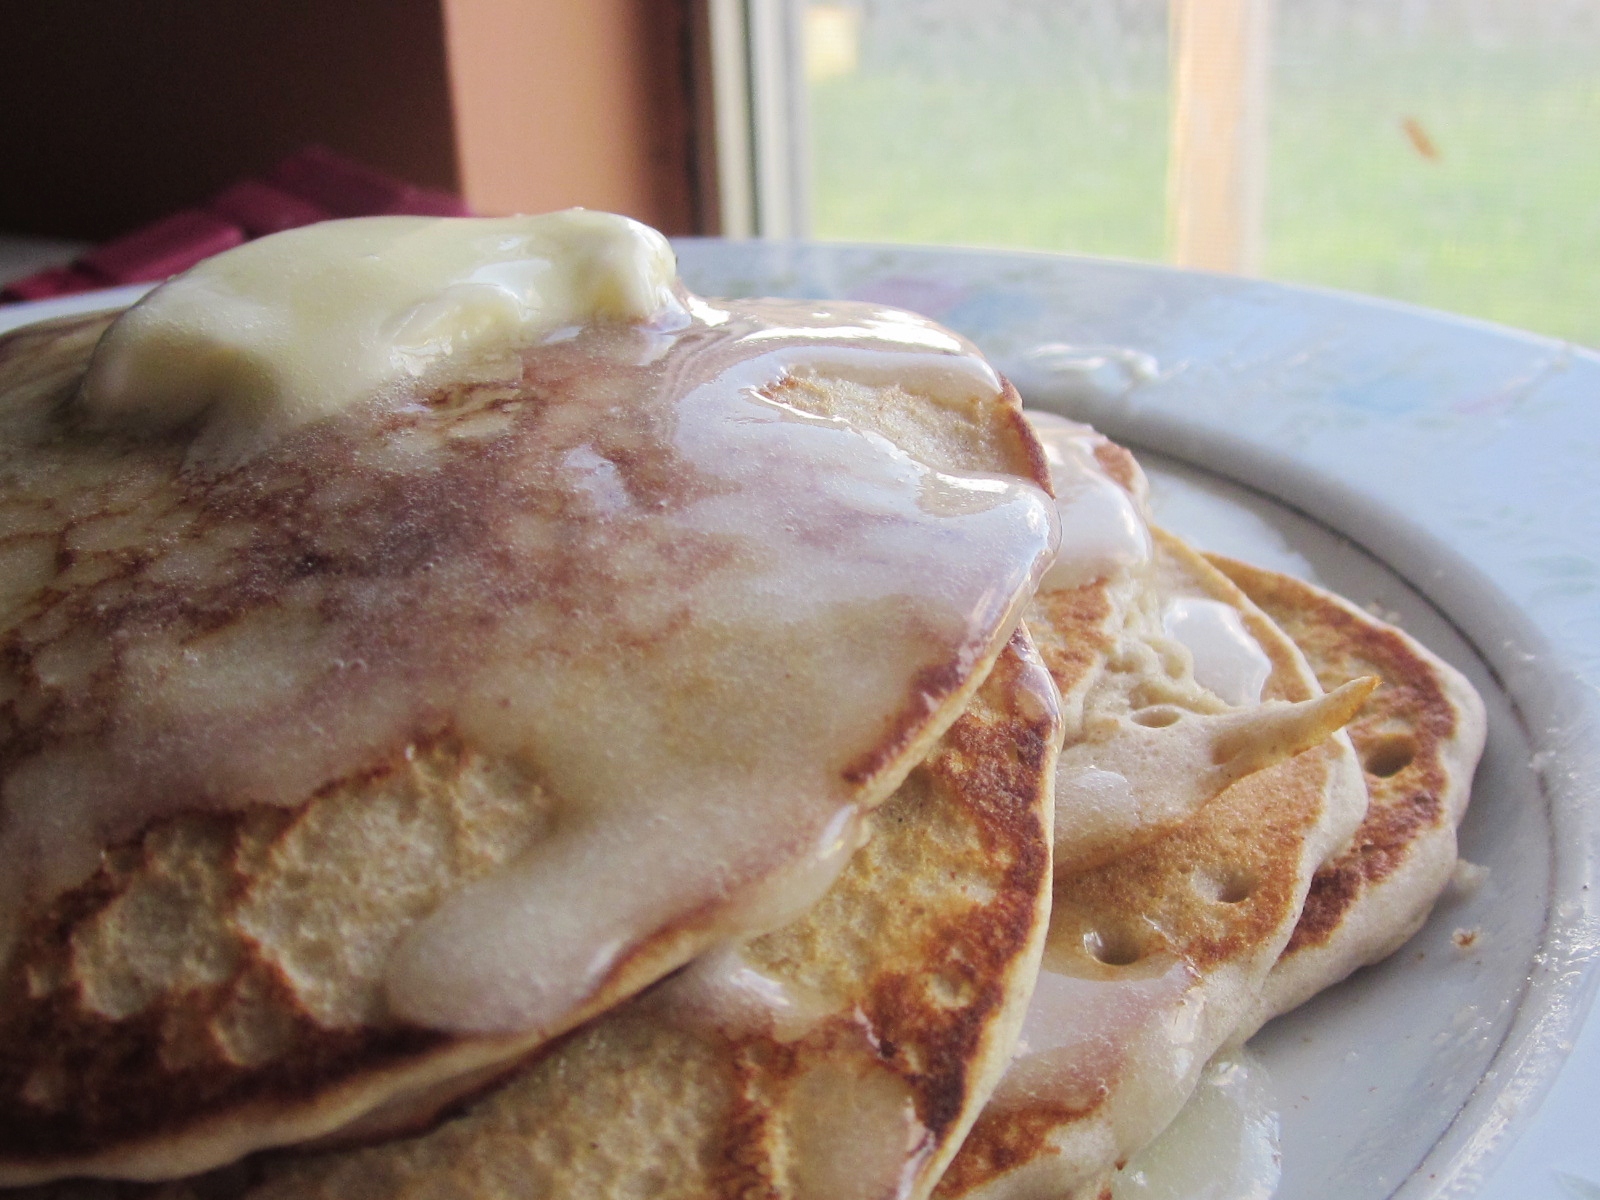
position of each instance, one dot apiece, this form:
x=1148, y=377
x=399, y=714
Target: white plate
x=1446, y=470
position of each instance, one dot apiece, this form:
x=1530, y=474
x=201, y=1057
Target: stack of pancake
x=726, y=753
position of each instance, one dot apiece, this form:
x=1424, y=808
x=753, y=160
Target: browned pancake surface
x=918, y=960
x=1153, y=958
x=229, y=956
x=1418, y=739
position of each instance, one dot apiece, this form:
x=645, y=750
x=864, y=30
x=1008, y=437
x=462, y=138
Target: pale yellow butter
x=298, y=326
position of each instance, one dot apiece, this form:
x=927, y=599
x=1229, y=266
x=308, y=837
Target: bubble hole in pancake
x=838, y=1058
x=1418, y=739
x=254, y=756
x=1154, y=958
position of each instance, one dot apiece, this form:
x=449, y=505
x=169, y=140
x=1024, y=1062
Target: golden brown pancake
x=1139, y=719
x=1154, y=958
x=1147, y=720
x=842, y=1056
x=254, y=659
x=1418, y=738
x=1076, y=628
x=1156, y=743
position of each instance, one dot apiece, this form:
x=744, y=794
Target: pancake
x=1156, y=742
x=1081, y=608
x=842, y=1056
x=1161, y=695
x=1418, y=739
x=293, y=743
x=1154, y=958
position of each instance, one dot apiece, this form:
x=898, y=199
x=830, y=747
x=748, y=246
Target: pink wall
x=561, y=103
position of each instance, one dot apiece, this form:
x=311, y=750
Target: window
x=1445, y=152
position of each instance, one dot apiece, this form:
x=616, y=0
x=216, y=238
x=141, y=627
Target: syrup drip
x=1083, y=1034
x=1224, y=1145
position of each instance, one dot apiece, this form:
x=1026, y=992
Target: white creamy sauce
x=851, y=1124
x=1097, y=787
x=484, y=952
x=1227, y=660
x=707, y=623
x=722, y=993
x=853, y=1134
x=1132, y=1040
x=1224, y=1145
x=1095, y=373
x=1082, y=1036
x=1102, y=529
x=1119, y=790
x=1170, y=770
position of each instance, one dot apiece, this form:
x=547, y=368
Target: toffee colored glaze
x=705, y=618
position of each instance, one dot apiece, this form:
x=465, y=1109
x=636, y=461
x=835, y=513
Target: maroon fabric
x=344, y=188
x=425, y=202
x=57, y=281
x=310, y=185
x=260, y=209
x=170, y=245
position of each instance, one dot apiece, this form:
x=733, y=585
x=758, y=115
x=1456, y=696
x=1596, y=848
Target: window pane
x=1445, y=152
x=1033, y=123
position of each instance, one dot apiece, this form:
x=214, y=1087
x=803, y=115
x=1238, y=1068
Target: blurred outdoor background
x=1444, y=152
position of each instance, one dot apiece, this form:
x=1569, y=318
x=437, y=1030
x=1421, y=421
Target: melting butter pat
x=302, y=324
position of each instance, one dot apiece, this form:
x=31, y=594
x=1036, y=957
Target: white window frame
x=759, y=130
